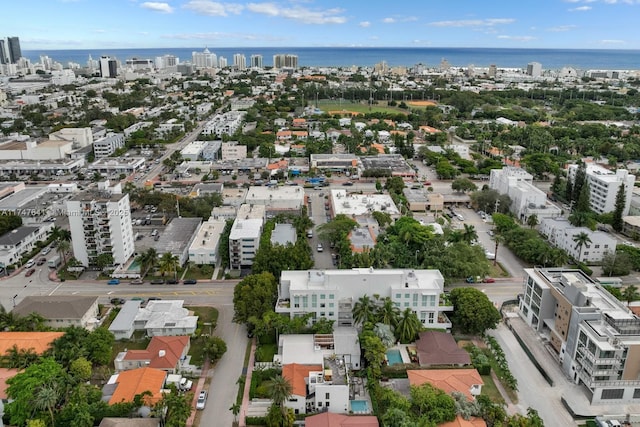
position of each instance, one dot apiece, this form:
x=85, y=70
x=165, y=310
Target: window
x=406, y=304
x=614, y=393
x=330, y=296
x=431, y=317
x=327, y=396
x=636, y=393
x=415, y=300
x=406, y=296
x=322, y=296
x=321, y=305
x=607, y=354
x=424, y=300
x=398, y=296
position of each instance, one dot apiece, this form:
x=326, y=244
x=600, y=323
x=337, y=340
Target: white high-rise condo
x=604, y=185
x=100, y=222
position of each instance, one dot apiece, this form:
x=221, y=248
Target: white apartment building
x=104, y=147
x=277, y=199
x=526, y=199
x=256, y=61
x=561, y=233
x=240, y=61
x=244, y=239
x=333, y=293
x=100, y=223
x=233, y=151
x=534, y=69
x=224, y=124
x=604, y=185
x=204, y=248
x=204, y=59
x=23, y=239
x=596, y=337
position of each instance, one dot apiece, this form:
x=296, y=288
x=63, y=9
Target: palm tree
x=408, y=326
x=363, y=310
x=168, y=263
x=46, y=398
x=235, y=410
x=630, y=294
x=581, y=240
x=498, y=238
x=387, y=312
x=532, y=221
x=19, y=358
x=469, y=234
x=63, y=248
x=280, y=390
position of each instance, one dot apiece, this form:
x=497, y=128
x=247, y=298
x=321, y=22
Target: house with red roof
x=466, y=381
x=435, y=348
x=124, y=387
x=298, y=376
x=328, y=419
x=165, y=353
x=461, y=422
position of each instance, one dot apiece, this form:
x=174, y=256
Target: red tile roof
x=5, y=374
x=38, y=341
x=329, y=419
x=296, y=375
x=173, y=348
x=136, y=381
x=447, y=380
x=439, y=348
x=461, y=422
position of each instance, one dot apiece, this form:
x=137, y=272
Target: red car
x=426, y=183
x=30, y=272
x=489, y=280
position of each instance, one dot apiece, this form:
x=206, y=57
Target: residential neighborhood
x=200, y=243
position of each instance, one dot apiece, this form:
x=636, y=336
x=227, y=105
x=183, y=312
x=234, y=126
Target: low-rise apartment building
x=562, y=234
x=204, y=248
x=604, y=185
x=104, y=147
x=244, y=239
x=596, y=337
x=333, y=293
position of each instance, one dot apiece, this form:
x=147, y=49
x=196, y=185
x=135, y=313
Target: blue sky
x=86, y=24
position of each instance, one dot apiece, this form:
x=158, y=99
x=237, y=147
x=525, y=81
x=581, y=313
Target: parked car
x=172, y=282
x=320, y=248
x=113, y=282
x=347, y=183
x=202, y=400
x=136, y=282
x=189, y=282
x=41, y=261
x=116, y=301
x=488, y=280
x=310, y=233
x=157, y=282
x=30, y=272
x=30, y=263
x=46, y=250
x=154, y=298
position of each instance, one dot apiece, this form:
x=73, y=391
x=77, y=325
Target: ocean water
x=583, y=59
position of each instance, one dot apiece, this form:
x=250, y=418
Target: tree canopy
x=473, y=312
x=254, y=296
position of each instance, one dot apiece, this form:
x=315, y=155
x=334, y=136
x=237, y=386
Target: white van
x=460, y=217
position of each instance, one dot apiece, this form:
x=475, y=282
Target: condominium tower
x=100, y=223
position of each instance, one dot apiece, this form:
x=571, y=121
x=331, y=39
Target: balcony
x=283, y=306
x=443, y=321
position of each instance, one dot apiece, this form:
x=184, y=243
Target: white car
x=320, y=248
x=30, y=263
x=46, y=250
x=490, y=255
x=202, y=400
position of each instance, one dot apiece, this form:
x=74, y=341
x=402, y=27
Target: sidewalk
x=247, y=385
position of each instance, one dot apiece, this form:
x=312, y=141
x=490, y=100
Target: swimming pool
x=360, y=407
x=394, y=357
x=135, y=266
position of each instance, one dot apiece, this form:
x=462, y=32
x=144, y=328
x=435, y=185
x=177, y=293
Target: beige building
x=61, y=311
x=233, y=151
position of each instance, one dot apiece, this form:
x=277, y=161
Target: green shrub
x=255, y=421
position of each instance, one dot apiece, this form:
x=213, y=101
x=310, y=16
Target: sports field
x=345, y=108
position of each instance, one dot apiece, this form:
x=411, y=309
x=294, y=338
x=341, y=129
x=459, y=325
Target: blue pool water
x=135, y=265
x=394, y=357
x=360, y=406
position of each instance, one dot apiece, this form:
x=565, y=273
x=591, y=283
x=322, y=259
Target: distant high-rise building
x=13, y=46
x=204, y=59
x=534, y=69
x=222, y=62
x=285, y=61
x=108, y=67
x=92, y=64
x=3, y=52
x=256, y=61
x=493, y=70
x=240, y=61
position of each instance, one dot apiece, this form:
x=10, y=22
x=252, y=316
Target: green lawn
x=328, y=106
x=489, y=389
x=265, y=352
x=205, y=315
x=199, y=272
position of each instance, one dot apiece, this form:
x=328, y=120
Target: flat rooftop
x=177, y=236
x=349, y=204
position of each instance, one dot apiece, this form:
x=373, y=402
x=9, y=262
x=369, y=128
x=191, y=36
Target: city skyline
x=563, y=24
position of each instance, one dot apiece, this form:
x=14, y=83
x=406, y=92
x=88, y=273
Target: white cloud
x=517, y=38
x=396, y=19
x=299, y=13
x=389, y=20
x=473, y=22
x=609, y=42
x=580, y=9
x=213, y=8
x=157, y=6
x=561, y=28
x=365, y=24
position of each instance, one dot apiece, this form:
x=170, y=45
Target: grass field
x=332, y=107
